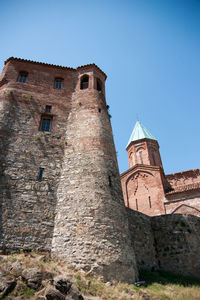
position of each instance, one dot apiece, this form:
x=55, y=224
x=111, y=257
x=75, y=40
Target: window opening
x=153, y=156
x=58, y=83
x=99, y=87
x=149, y=201
x=48, y=108
x=22, y=77
x=110, y=181
x=141, y=159
x=45, y=124
x=99, y=109
x=84, y=82
x=136, y=202
x=40, y=175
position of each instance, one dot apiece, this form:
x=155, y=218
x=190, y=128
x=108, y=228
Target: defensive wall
x=60, y=188
x=60, y=184
x=167, y=242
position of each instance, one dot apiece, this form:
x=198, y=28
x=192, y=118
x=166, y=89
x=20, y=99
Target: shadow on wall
x=21, y=191
x=166, y=242
x=167, y=277
x=8, y=119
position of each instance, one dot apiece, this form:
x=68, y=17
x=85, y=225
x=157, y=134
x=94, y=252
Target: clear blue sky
x=150, y=50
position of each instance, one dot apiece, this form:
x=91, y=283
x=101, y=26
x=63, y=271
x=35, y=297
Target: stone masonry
x=60, y=185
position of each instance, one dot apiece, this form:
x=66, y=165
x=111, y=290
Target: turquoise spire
x=140, y=132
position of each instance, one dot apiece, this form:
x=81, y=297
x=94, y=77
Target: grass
x=159, y=285
x=164, y=285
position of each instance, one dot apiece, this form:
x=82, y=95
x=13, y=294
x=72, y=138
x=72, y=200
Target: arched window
x=84, y=82
x=131, y=159
x=141, y=158
x=99, y=85
x=153, y=157
x=140, y=155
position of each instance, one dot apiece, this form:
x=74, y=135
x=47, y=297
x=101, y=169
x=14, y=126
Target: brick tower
x=60, y=184
x=142, y=184
x=90, y=221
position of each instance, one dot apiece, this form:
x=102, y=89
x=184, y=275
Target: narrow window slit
x=153, y=156
x=99, y=87
x=141, y=158
x=40, y=175
x=149, y=201
x=136, y=202
x=110, y=181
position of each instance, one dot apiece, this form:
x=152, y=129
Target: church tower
x=142, y=184
x=143, y=148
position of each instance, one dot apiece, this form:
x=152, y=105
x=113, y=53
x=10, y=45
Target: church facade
x=145, y=186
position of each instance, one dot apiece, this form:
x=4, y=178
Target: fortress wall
x=167, y=242
x=77, y=209
x=142, y=239
x=177, y=243
x=27, y=204
x=80, y=185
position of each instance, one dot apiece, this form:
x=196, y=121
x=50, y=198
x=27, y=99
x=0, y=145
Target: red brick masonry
x=147, y=189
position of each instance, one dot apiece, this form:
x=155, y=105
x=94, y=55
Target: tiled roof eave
x=186, y=188
x=55, y=66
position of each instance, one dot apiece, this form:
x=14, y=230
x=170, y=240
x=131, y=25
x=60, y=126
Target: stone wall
x=167, y=242
x=76, y=209
x=177, y=243
x=27, y=204
x=142, y=239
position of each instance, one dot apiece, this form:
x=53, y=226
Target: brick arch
x=137, y=172
x=131, y=159
x=186, y=209
x=140, y=149
x=140, y=155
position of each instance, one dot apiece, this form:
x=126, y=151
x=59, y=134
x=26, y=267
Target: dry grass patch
x=159, y=285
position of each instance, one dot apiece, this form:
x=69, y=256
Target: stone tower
x=142, y=184
x=90, y=221
x=60, y=181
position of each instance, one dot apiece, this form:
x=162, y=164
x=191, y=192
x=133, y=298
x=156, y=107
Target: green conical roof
x=140, y=132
